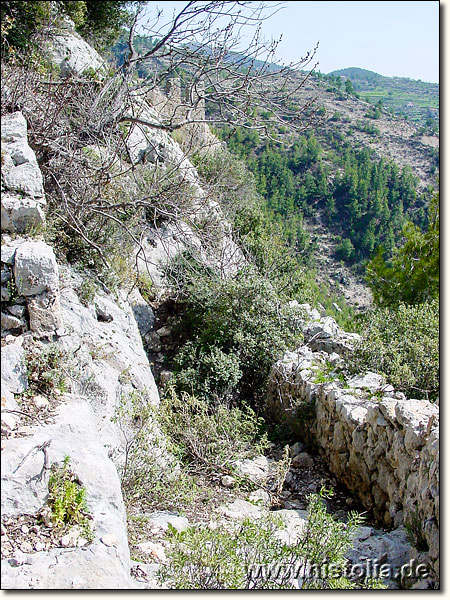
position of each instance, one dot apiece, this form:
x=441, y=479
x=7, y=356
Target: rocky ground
x=343, y=280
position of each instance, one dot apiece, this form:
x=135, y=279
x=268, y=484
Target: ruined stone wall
x=380, y=444
x=170, y=104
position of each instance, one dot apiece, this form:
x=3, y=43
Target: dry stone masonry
x=380, y=444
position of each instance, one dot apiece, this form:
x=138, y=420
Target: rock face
x=14, y=372
x=216, y=247
x=381, y=445
x=32, y=280
x=73, y=434
x=111, y=364
x=108, y=365
x=71, y=53
x=107, y=368
x=35, y=269
x=29, y=269
x=23, y=200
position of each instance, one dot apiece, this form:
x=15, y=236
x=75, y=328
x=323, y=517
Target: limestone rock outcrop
x=105, y=368
x=23, y=199
x=71, y=53
x=31, y=289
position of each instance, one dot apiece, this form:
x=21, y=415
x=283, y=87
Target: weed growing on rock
x=45, y=369
x=87, y=291
x=414, y=527
x=67, y=499
x=146, y=287
x=327, y=373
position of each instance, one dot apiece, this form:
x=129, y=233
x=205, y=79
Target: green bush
x=102, y=21
x=151, y=476
x=208, y=371
x=46, y=370
x=208, y=439
x=403, y=344
x=248, y=556
x=345, y=250
x=412, y=275
x=236, y=329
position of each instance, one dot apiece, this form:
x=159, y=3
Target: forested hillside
x=358, y=174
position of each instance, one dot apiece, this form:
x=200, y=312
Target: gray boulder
x=160, y=521
x=241, y=509
x=35, y=269
x=391, y=549
x=19, y=213
x=68, y=51
x=111, y=363
x=14, y=370
x=325, y=335
x=370, y=381
x=256, y=469
x=45, y=315
x=20, y=171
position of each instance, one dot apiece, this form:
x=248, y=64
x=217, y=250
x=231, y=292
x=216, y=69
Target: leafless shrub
x=103, y=198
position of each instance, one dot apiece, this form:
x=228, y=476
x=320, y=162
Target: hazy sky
x=392, y=38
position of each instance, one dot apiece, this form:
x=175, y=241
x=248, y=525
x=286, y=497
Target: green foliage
x=349, y=89
x=328, y=372
x=204, y=558
x=266, y=243
x=168, y=448
x=345, y=250
x=367, y=199
x=241, y=323
x=21, y=20
x=105, y=20
x=208, y=371
x=402, y=343
x=412, y=275
x=145, y=286
x=46, y=370
x=87, y=292
x=150, y=478
x=251, y=555
x=415, y=531
x=398, y=94
x=101, y=21
x=208, y=439
x=67, y=499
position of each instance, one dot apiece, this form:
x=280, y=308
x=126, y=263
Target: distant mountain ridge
x=415, y=99
x=357, y=73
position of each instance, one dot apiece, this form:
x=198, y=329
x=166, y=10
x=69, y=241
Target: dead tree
x=200, y=44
